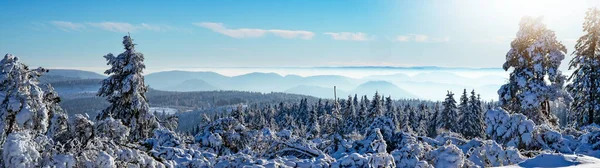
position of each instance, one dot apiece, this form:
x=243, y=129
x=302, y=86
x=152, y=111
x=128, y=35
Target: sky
x=292, y=33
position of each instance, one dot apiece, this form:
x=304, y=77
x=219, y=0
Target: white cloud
x=68, y=26
x=121, y=27
x=403, y=38
x=349, y=36
x=253, y=33
x=290, y=34
x=114, y=26
x=420, y=38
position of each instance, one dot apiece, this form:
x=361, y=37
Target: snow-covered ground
x=559, y=160
x=167, y=110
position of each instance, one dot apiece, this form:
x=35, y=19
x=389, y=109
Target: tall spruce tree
x=433, y=121
x=349, y=116
x=463, y=106
x=472, y=119
x=585, y=86
x=449, y=116
x=125, y=90
x=535, y=56
x=376, y=108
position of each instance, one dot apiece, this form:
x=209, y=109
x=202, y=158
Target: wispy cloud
x=290, y=34
x=253, y=33
x=114, y=26
x=124, y=27
x=420, y=38
x=68, y=26
x=348, y=36
x=121, y=27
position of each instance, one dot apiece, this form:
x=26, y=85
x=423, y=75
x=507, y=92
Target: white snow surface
x=559, y=160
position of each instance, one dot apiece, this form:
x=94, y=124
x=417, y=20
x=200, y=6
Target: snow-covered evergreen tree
x=376, y=108
x=125, y=90
x=314, y=129
x=349, y=116
x=463, y=105
x=535, y=56
x=23, y=106
x=449, y=117
x=472, y=121
x=422, y=120
x=433, y=121
x=585, y=86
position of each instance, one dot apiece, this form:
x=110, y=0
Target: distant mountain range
x=56, y=75
x=426, y=85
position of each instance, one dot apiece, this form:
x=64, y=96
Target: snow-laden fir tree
x=314, y=129
x=23, y=106
x=433, y=121
x=535, y=56
x=448, y=119
x=463, y=105
x=405, y=125
x=585, y=86
x=376, y=108
x=422, y=120
x=125, y=90
x=349, y=116
x=472, y=122
x=413, y=117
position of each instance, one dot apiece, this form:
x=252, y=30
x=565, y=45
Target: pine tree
x=463, y=106
x=362, y=121
x=406, y=120
x=422, y=122
x=413, y=118
x=23, y=106
x=585, y=86
x=349, y=116
x=314, y=129
x=238, y=114
x=376, y=108
x=433, y=121
x=125, y=90
x=472, y=120
x=535, y=56
x=449, y=116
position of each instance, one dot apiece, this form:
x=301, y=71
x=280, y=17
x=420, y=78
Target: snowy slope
x=559, y=160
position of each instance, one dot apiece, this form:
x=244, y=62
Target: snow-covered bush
x=104, y=160
x=448, y=155
x=224, y=136
x=550, y=139
x=82, y=131
x=513, y=130
x=491, y=154
x=381, y=158
x=20, y=151
x=364, y=146
x=385, y=125
x=352, y=160
x=112, y=129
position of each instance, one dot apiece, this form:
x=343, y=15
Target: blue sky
x=299, y=33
